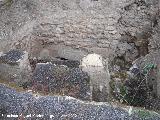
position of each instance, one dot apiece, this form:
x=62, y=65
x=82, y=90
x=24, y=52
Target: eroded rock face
x=150, y=64
x=139, y=86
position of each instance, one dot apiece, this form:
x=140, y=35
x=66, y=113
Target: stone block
x=15, y=66
x=62, y=80
x=97, y=68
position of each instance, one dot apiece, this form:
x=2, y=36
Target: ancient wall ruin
x=121, y=30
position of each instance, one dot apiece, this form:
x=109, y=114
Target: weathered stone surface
x=59, y=79
x=57, y=61
x=12, y=57
x=97, y=68
x=77, y=24
x=153, y=73
x=14, y=66
x=73, y=29
x=80, y=81
x=51, y=22
x=92, y=60
x=76, y=28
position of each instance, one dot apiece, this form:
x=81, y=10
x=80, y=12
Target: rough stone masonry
x=72, y=29
x=66, y=28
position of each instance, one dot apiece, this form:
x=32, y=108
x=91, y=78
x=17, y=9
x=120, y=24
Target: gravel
x=58, y=108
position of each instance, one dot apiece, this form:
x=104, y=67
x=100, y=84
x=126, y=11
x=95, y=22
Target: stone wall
x=83, y=25
x=72, y=29
x=34, y=25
